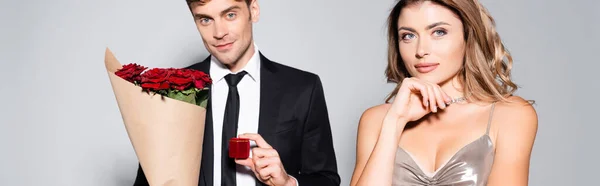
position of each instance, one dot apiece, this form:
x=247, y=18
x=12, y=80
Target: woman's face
x=431, y=42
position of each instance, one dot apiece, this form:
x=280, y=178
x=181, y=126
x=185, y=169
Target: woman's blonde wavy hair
x=485, y=75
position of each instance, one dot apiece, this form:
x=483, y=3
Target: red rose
x=200, y=79
x=180, y=79
x=131, y=72
x=155, y=79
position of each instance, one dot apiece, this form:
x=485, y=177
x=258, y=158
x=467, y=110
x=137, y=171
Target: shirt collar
x=218, y=71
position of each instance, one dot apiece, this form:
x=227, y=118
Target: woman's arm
x=377, y=142
x=514, y=142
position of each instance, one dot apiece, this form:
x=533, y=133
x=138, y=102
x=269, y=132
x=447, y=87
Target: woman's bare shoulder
x=517, y=114
x=373, y=116
x=516, y=106
x=375, y=112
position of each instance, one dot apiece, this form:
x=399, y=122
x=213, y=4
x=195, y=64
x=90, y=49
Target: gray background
x=60, y=124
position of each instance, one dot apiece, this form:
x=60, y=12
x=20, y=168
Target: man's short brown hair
x=203, y=2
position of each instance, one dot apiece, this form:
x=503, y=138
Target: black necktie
x=230, y=125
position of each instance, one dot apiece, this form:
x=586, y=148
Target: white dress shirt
x=249, y=92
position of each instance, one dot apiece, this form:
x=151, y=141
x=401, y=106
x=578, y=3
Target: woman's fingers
x=432, y=94
x=418, y=87
x=439, y=94
x=432, y=98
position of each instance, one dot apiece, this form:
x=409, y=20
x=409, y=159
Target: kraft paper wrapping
x=165, y=133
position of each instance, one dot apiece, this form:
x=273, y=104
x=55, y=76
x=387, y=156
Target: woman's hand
x=380, y=129
x=415, y=99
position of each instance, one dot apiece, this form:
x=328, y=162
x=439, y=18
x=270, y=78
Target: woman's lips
x=426, y=67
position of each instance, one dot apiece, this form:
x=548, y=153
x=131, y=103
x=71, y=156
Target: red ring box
x=239, y=148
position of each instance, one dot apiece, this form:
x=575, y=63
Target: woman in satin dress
x=453, y=118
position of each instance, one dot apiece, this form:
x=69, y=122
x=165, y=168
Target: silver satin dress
x=470, y=166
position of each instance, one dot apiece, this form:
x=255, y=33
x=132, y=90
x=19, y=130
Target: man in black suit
x=280, y=108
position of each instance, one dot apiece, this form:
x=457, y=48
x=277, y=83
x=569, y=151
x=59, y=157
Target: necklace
x=456, y=100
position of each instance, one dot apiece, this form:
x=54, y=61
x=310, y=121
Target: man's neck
x=242, y=61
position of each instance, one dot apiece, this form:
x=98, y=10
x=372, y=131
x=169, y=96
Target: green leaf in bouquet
x=202, y=98
x=180, y=95
x=189, y=91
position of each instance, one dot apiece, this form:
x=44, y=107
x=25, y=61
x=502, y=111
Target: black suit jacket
x=293, y=119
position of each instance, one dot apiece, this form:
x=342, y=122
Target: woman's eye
x=408, y=36
x=439, y=32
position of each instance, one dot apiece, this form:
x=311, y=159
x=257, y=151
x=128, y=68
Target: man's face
x=226, y=28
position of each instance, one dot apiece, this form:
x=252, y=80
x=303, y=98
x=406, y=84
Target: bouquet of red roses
x=181, y=84
x=164, y=111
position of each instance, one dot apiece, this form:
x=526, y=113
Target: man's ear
x=254, y=11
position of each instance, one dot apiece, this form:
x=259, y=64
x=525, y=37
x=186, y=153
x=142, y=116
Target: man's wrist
x=292, y=181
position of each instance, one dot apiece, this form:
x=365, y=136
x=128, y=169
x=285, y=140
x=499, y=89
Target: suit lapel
x=206, y=167
x=270, y=97
x=269, y=101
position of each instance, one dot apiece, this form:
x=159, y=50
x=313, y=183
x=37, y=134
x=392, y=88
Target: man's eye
x=231, y=15
x=204, y=20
